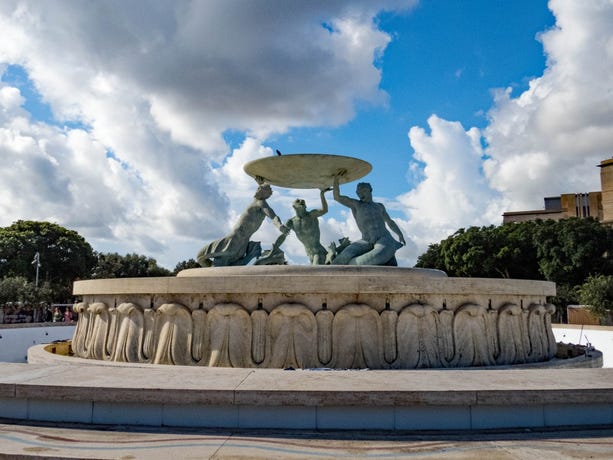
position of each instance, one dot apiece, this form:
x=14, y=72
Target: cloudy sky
x=130, y=122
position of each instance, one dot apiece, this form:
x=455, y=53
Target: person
x=306, y=226
x=48, y=314
x=377, y=246
x=68, y=315
x=236, y=248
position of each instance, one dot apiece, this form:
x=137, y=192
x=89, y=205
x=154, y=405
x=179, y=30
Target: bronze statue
x=236, y=248
x=306, y=226
x=377, y=246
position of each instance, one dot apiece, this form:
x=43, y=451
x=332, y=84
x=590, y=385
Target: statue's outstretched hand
x=337, y=176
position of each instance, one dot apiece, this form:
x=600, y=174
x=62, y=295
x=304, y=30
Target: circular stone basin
x=307, y=170
x=341, y=317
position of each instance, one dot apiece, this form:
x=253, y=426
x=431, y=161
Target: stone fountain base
x=341, y=317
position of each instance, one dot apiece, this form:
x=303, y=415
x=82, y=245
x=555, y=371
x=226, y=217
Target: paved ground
x=25, y=440
x=52, y=441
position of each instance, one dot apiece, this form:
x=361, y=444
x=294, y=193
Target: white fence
x=15, y=341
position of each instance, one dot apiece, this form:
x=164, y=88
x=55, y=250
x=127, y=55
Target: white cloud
x=546, y=141
x=454, y=192
x=155, y=86
x=10, y=99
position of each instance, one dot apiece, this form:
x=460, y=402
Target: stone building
x=593, y=204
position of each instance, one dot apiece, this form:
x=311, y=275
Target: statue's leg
x=379, y=255
x=254, y=249
x=219, y=249
x=392, y=262
x=205, y=263
x=221, y=262
x=203, y=259
x=319, y=258
x=348, y=255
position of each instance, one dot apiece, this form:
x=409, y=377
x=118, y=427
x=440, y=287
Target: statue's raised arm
x=306, y=226
x=336, y=193
x=324, y=204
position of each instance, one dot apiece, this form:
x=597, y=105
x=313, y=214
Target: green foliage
x=570, y=250
x=516, y=251
x=113, y=265
x=64, y=254
x=432, y=258
x=565, y=251
x=465, y=252
x=474, y=252
x=491, y=252
x=566, y=294
x=19, y=289
x=597, y=293
x=184, y=265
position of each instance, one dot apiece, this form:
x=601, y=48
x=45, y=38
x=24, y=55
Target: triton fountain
x=358, y=311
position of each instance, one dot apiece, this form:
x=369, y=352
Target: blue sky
x=131, y=121
x=444, y=58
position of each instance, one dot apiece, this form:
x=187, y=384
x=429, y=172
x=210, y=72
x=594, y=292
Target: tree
x=597, y=293
x=565, y=251
x=113, y=265
x=569, y=250
x=565, y=295
x=517, y=256
x=432, y=258
x=474, y=252
x=184, y=265
x=492, y=252
x=64, y=254
x=19, y=289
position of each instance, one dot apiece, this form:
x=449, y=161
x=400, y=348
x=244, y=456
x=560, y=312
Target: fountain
x=358, y=311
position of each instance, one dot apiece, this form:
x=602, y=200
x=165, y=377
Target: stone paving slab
x=270, y=387
x=122, y=442
x=162, y=384
x=191, y=396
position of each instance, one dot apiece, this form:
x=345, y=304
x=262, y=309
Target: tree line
x=574, y=253
x=60, y=256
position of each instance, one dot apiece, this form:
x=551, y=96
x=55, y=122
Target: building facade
x=598, y=205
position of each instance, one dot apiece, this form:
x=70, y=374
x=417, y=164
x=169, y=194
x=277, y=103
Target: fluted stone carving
x=99, y=325
x=324, y=319
x=229, y=333
x=315, y=317
x=174, y=331
x=473, y=346
x=292, y=337
x=357, y=335
x=128, y=325
x=511, y=333
x=420, y=342
x=357, y=338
